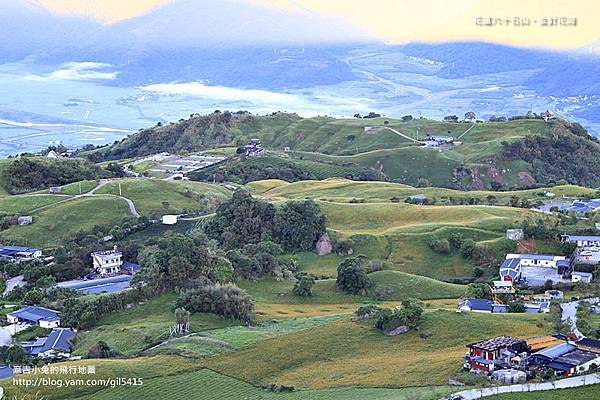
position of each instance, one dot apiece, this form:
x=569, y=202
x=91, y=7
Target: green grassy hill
x=165, y=197
x=51, y=225
x=333, y=147
x=344, y=190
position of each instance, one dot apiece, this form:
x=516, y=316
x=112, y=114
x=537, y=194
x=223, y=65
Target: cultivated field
x=346, y=353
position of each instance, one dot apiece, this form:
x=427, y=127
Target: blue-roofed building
x=583, y=206
x=19, y=253
x=582, y=241
x=510, y=270
x=130, y=268
x=476, y=305
x=6, y=372
x=35, y=315
x=58, y=344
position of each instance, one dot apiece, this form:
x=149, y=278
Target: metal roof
x=497, y=343
x=35, y=314
x=555, y=351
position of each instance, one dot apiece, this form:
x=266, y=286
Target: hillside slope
x=327, y=147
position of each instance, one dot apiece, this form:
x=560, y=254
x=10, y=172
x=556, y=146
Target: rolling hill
x=323, y=147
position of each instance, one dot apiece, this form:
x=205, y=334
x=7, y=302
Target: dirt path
x=90, y=193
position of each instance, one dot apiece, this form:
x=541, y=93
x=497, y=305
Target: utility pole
x=120, y=191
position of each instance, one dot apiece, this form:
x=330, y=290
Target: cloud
x=76, y=71
x=259, y=100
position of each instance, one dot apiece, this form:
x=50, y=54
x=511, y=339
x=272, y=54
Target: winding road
x=89, y=193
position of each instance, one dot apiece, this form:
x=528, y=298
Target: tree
x=407, y=314
x=441, y=246
x=33, y=296
x=451, y=118
x=468, y=248
x=101, y=350
x=298, y=225
x=304, y=285
x=406, y=118
x=516, y=307
x=423, y=182
x=13, y=355
x=351, y=276
x=470, y=116
x=456, y=240
x=226, y=300
x=478, y=291
x=182, y=320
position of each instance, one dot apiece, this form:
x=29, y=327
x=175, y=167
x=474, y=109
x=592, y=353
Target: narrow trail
x=90, y=193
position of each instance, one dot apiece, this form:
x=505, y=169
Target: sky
x=401, y=21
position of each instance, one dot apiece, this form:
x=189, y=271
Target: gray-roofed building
x=35, y=315
x=111, y=284
x=57, y=344
x=538, y=260
x=575, y=361
x=547, y=355
x=578, y=276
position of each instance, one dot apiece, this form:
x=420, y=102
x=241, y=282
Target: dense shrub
x=352, y=277
x=304, y=285
x=27, y=174
x=227, y=300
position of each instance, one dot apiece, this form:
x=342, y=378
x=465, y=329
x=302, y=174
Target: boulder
x=323, y=246
x=397, y=331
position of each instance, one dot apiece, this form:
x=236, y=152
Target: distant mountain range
x=244, y=45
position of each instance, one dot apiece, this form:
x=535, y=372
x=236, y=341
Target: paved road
x=569, y=313
x=13, y=283
x=575, y=381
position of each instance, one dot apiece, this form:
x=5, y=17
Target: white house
x=107, y=262
x=577, y=276
x=35, y=315
x=537, y=260
x=514, y=234
x=169, y=219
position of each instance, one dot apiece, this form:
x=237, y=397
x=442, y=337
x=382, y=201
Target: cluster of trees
x=468, y=248
x=260, y=259
x=244, y=170
x=304, y=285
x=226, y=300
x=84, y=312
x=371, y=114
x=249, y=170
x=408, y=314
x=197, y=132
x=295, y=226
x=32, y=173
x=569, y=153
x=178, y=261
x=584, y=323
